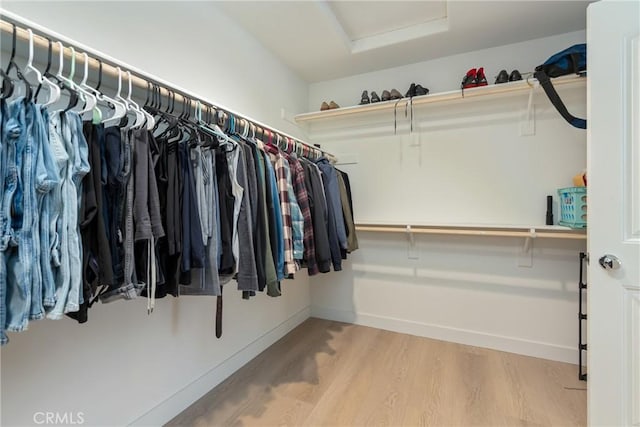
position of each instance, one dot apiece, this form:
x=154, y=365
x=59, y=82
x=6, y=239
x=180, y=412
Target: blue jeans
x=47, y=182
x=61, y=213
x=77, y=144
x=44, y=179
x=120, y=190
x=18, y=212
x=3, y=273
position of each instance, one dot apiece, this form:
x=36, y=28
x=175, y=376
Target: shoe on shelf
x=503, y=77
x=365, y=98
x=324, y=106
x=386, y=95
x=411, y=92
x=481, y=79
x=333, y=105
x=421, y=90
x=469, y=79
x=374, y=97
x=515, y=75
x=395, y=94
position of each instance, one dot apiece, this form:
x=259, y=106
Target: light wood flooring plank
x=328, y=373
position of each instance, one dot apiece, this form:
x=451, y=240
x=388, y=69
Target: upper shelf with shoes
x=513, y=87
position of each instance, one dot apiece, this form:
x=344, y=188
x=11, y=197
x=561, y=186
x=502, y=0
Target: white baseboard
x=445, y=333
x=173, y=405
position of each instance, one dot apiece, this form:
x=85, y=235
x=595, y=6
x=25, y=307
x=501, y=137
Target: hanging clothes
x=91, y=213
x=302, y=196
x=347, y=210
x=318, y=205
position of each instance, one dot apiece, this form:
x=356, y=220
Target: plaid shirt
x=297, y=174
x=280, y=168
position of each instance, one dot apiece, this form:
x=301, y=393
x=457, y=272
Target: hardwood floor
x=331, y=373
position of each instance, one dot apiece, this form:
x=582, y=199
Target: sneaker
x=333, y=105
x=481, y=79
x=395, y=94
x=365, y=98
x=374, y=97
x=503, y=77
x=324, y=106
x=469, y=79
x=386, y=95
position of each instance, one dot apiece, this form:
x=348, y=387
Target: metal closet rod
x=140, y=79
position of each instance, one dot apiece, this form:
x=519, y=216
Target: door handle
x=610, y=262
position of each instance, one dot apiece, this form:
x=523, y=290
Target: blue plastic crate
x=573, y=207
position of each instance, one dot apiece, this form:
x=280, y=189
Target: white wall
x=466, y=162
x=124, y=366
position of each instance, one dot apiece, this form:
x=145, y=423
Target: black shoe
x=411, y=92
x=503, y=77
x=515, y=75
x=365, y=98
x=374, y=97
x=421, y=90
x=386, y=95
x=395, y=94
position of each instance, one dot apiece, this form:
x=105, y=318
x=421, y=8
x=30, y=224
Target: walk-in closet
x=320, y=213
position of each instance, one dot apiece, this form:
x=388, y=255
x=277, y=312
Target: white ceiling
x=323, y=40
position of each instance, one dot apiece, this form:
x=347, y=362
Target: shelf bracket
x=525, y=257
x=528, y=122
x=412, y=250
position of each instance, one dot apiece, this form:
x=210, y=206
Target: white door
x=613, y=94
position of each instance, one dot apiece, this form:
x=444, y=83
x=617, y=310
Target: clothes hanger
x=150, y=120
x=141, y=118
x=145, y=108
x=90, y=99
x=94, y=92
x=222, y=140
x=71, y=83
x=46, y=70
x=68, y=81
x=7, y=85
x=119, y=103
x=54, y=90
x=12, y=65
x=204, y=138
x=118, y=108
x=124, y=121
x=63, y=82
x=210, y=140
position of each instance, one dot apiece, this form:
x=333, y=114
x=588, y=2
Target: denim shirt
x=3, y=281
x=49, y=180
x=21, y=261
x=71, y=153
x=12, y=131
x=46, y=178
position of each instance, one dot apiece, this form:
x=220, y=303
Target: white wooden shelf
x=489, y=230
x=517, y=87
